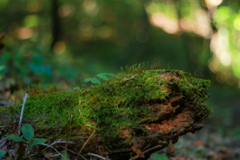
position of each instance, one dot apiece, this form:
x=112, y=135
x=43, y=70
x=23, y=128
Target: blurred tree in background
x=94, y=36
x=49, y=41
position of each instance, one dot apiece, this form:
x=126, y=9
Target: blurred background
x=62, y=41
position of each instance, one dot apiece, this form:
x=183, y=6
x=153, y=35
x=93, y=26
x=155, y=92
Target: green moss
x=107, y=107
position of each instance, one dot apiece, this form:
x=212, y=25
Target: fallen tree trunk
x=127, y=117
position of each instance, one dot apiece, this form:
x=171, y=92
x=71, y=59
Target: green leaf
x=2, y=153
x=102, y=76
x=27, y=131
x=87, y=80
x=65, y=156
x=37, y=141
x=76, y=88
x=95, y=81
x=159, y=156
x=109, y=74
x=15, y=138
x=2, y=67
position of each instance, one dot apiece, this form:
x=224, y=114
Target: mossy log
x=127, y=117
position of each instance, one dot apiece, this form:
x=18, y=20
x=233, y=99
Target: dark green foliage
x=26, y=65
x=28, y=134
x=15, y=138
x=101, y=76
x=156, y=156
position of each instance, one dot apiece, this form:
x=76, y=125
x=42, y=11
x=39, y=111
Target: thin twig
x=59, y=141
x=52, y=148
x=127, y=79
x=135, y=157
x=73, y=152
x=23, y=106
x=95, y=155
x=55, y=155
x=87, y=141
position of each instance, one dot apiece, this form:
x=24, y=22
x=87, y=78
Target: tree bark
x=55, y=22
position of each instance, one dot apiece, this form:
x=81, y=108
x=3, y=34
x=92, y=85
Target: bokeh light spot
x=202, y=25
x=236, y=23
x=222, y=14
x=66, y=10
x=31, y=21
x=90, y=7
x=59, y=47
x=186, y=24
x=168, y=25
x=214, y=65
x=236, y=70
x=213, y=3
x=225, y=58
x=25, y=33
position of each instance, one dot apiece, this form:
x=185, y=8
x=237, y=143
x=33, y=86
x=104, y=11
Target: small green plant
x=65, y=156
x=102, y=76
x=156, y=156
x=28, y=133
x=2, y=153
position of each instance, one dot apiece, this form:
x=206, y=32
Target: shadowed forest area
x=71, y=43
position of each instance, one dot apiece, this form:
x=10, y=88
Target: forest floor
x=207, y=144
x=210, y=143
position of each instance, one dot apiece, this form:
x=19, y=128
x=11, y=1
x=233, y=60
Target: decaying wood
x=168, y=119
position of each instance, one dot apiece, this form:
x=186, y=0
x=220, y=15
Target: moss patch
x=111, y=107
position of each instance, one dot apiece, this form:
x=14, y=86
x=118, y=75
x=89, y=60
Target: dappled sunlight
x=236, y=68
x=91, y=7
x=214, y=65
x=201, y=22
x=186, y=24
x=59, y=47
x=225, y=58
x=25, y=33
x=66, y=10
x=167, y=24
x=200, y=25
x=31, y=21
x=212, y=3
x=220, y=46
x=225, y=42
x=222, y=57
x=236, y=23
